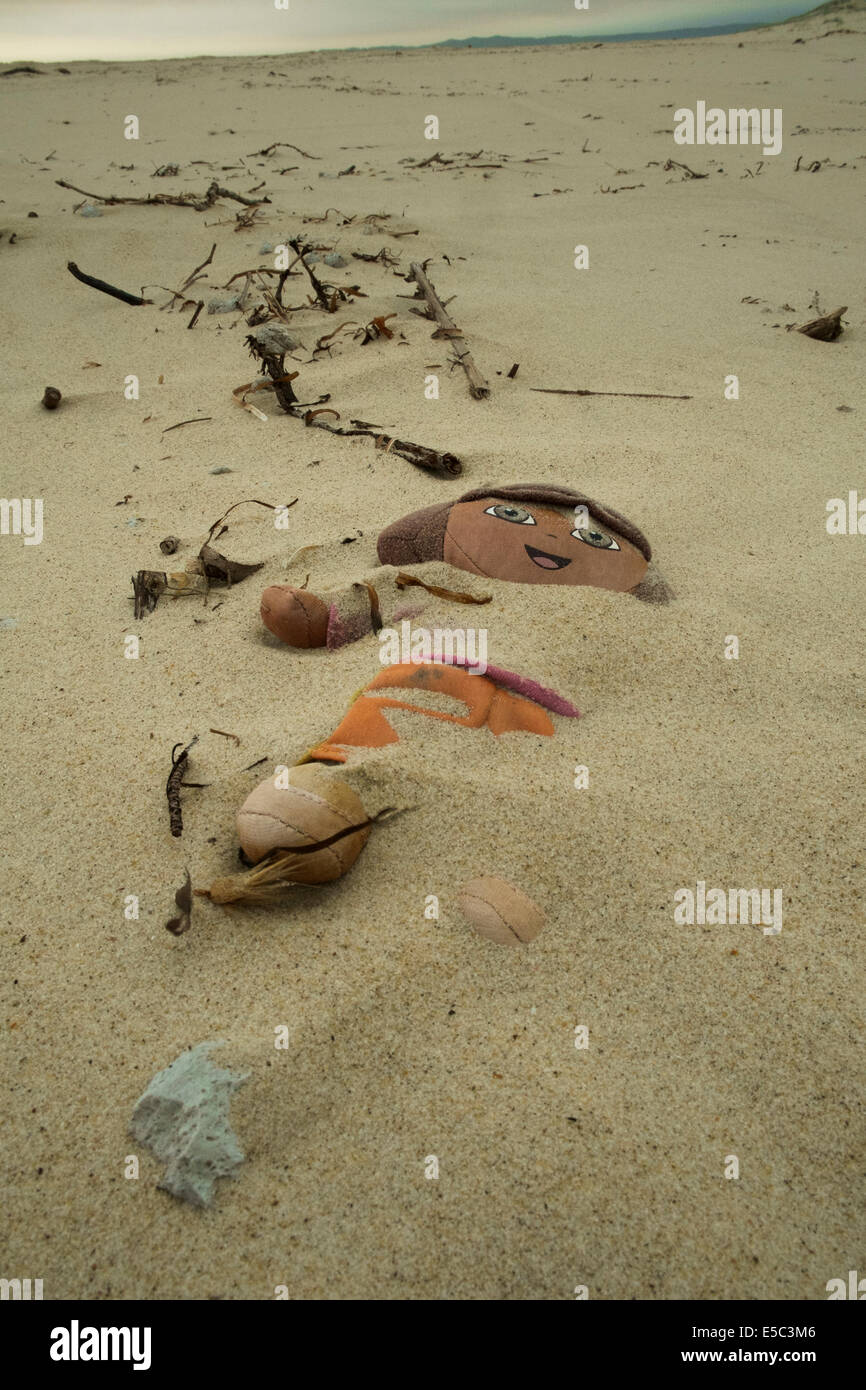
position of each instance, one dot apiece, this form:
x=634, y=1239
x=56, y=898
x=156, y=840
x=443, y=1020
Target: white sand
x=409, y=1038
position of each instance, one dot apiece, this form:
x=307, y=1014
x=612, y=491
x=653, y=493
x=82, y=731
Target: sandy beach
x=560, y=1166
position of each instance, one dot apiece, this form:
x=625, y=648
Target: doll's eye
x=508, y=513
x=599, y=539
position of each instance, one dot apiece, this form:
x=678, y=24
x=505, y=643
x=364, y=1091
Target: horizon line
x=677, y=35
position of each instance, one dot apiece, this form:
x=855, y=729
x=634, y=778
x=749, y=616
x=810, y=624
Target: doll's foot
x=317, y=815
x=297, y=617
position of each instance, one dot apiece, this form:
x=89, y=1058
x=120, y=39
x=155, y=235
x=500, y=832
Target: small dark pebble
x=52, y=398
x=33, y=214
x=169, y=545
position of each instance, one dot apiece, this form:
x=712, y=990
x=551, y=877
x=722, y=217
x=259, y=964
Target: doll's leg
x=297, y=617
x=302, y=619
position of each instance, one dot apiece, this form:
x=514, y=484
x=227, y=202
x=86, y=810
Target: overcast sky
x=70, y=29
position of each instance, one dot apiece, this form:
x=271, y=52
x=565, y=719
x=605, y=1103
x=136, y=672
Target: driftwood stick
x=180, y=200
x=478, y=387
x=433, y=459
x=104, y=286
x=640, y=395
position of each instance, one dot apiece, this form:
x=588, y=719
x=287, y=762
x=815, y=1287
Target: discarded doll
x=528, y=533
x=309, y=826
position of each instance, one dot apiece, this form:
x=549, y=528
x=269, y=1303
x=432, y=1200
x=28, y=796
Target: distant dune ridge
x=837, y=12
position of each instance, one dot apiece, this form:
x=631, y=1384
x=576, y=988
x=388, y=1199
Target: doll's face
x=530, y=543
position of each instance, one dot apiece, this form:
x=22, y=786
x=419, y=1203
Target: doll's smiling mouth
x=544, y=560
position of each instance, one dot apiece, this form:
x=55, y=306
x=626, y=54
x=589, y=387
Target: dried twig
x=433, y=459
x=478, y=387
x=326, y=300
x=190, y=278
x=198, y=420
x=257, y=763
x=180, y=200
x=385, y=257
x=641, y=395
x=282, y=144
x=689, y=173
x=104, y=286
x=254, y=270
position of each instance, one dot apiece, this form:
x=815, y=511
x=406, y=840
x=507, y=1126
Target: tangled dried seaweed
x=376, y=328
x=269, y=879
x=407, y=581
x=174, y=784
x=209, y=567
x=199, y=203
x=272, y=359
x=183, y=901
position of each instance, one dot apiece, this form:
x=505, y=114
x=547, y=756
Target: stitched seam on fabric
x=504, y=920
